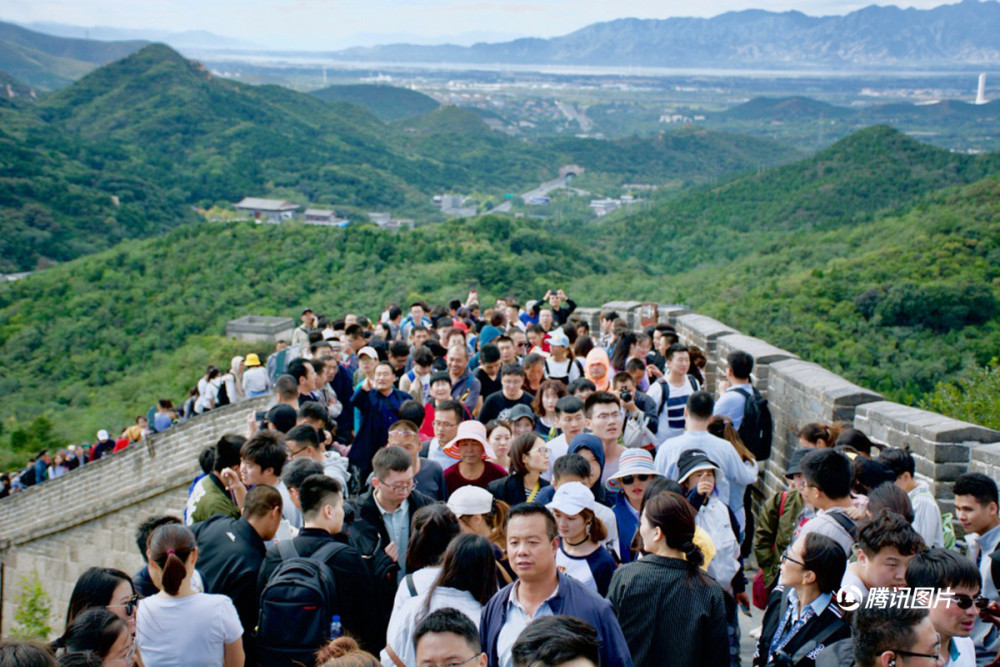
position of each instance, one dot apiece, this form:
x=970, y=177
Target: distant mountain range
x=187, y=39
x=963, y=34
x=48, y=62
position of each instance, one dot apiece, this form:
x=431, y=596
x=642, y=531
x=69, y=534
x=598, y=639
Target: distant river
x=300, y=59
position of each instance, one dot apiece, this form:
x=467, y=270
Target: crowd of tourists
x=502, y=486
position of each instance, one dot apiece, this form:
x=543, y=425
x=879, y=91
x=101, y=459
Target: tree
x=32, y=610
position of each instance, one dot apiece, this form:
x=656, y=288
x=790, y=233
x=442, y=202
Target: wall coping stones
x=814, y=380
x=763, y=352
x=987, y=454
x=705, y=326
x=928, y=425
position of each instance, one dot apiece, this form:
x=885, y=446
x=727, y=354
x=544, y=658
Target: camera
x=260, y=416
x=625, y=395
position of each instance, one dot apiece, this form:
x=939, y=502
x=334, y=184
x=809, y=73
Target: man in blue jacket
x=532, y=542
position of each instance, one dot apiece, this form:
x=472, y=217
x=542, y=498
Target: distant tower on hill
x=981, y=93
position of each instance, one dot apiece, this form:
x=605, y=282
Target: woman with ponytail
x=179, y=626
x=670, y=611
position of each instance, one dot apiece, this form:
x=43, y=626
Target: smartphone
x=745, y=608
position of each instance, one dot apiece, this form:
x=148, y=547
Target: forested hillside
x=897, y=293
x=127, y=150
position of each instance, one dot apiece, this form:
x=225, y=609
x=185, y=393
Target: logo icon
x=849, y=598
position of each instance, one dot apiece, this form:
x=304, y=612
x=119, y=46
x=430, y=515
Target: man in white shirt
x=571, y=422
x=926, y=513
x=738, y=473
x=954, y=616
x=886, y=544
x=976, y=509
x=671, y=393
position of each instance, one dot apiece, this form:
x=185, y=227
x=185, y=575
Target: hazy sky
x=338, y=23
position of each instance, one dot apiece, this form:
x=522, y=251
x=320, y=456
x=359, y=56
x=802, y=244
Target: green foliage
x=32, y=610
x=388, y=103
x=146, y=317
x=941, y=307
x=974, y=396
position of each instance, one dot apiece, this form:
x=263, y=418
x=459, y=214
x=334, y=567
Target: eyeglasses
x=965, y=602
x=606, y=416
x=449, y=664
x=911, y=654
x=292, y=453
x=542, y=450
x=405, y=487
x=785, y=556
x=133, y=602
x=629, y=479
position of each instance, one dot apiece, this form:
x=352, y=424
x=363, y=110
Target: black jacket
x=369, y=537
x=510, y=489
x=230, y=553
x=829, y=627
x=352, y=579
x=670, y=617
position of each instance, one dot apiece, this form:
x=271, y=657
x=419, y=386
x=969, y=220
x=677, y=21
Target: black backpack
x=665, y=392
x=222, y=397
x=757, y=428
x=296, y=606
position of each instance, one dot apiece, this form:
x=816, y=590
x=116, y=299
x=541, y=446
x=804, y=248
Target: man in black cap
x=779, y=517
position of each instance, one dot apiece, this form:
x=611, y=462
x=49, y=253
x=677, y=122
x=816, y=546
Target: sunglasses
x=133, y=602
x=629, y=479
x=965, y=602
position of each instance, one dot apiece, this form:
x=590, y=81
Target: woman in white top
x=179, y=626
x=208, y=390
x=467, y=582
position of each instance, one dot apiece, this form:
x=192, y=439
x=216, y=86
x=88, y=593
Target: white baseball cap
x=470, y=500
x=572, y=498
x=102, y=435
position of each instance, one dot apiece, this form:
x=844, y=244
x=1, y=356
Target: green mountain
x=49, y=62
x=890, y=279
x=846, y=185
x=144, y=317
x=161, y=132
x=62, y=197
x=784, y=109
x=388, y=103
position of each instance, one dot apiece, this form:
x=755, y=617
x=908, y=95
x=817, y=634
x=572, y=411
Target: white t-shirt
x=404, y=620
x=186, y=631
x=964, y=650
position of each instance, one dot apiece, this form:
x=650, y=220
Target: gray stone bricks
x=88, y=517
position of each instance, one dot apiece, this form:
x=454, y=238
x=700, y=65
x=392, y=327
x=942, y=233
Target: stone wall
x=88, y=517
x=943, y=448
x=800, y=392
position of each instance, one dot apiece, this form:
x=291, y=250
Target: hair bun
x=693, y=554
